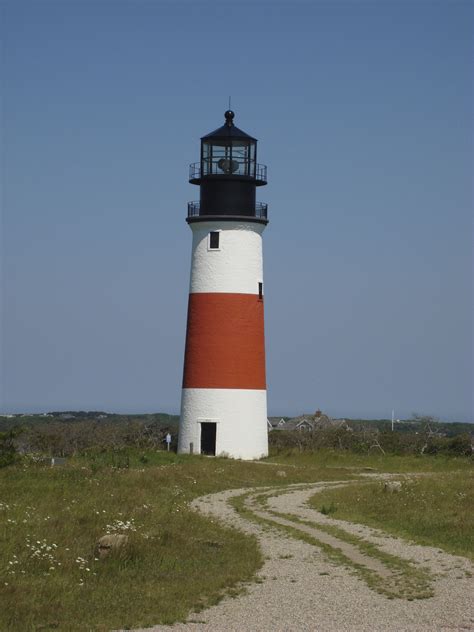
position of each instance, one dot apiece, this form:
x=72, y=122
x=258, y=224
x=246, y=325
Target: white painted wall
x=237, y=267
x=241, y=417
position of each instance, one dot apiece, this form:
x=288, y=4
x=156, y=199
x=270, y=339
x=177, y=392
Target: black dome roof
x=228, y=130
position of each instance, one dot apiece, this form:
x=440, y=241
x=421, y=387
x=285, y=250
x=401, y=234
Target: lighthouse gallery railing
x=261, y=210
x=212, y=169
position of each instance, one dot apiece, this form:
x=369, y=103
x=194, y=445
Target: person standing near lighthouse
x=224, y=397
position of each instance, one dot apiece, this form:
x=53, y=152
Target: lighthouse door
x=208, y=438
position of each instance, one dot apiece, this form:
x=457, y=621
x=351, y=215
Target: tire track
x=312, y=582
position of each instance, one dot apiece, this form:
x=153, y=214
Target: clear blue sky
x=363, y=111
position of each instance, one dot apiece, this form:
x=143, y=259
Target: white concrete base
x=240, y=415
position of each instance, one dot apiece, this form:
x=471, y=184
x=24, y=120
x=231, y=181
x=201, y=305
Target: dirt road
x=326, y=575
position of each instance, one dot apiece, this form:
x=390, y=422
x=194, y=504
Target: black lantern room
x=228, y=175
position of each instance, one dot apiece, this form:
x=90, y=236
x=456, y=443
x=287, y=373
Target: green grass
x=178, y=561
x=173, y=552
x=378, y=462
x=434, y=510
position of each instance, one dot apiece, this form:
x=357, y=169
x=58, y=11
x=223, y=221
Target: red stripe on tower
x=225, y=345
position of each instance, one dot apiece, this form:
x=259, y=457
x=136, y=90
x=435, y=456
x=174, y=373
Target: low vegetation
x=51, y=519
x=61, y=436
x=368, y=439
x=117, y=479
x=70, y=433
x=434, y=510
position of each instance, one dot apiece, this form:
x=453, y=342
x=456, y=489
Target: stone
x=392, y=487
x=58, y=460
x=281, y=473
x=111, y=542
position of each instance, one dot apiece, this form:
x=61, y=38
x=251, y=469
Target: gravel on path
x=300, y=589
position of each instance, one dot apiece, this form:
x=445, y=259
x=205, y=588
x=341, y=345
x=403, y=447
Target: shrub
x=460, y=445
x=328, y=510
x=8, y=452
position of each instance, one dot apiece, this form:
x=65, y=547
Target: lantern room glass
x=228, y=157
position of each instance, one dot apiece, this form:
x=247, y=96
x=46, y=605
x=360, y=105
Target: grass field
x=177, y=561
x=436, y=510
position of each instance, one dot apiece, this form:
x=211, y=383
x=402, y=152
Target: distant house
x=305, y=424
x=341, y=423
x=326, y=422
x=276, y=423
x=302, y=423
x=310, y=423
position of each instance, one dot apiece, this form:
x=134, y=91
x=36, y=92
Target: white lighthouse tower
x=224, y=398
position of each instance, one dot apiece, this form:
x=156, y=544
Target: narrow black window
x=213, y=240
x=260, y=291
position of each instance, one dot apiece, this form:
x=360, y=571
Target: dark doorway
x=208, y=438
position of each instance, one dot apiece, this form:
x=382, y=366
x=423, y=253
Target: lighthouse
x=224, y=397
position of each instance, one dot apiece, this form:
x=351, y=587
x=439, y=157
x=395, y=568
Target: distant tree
x=8, y=452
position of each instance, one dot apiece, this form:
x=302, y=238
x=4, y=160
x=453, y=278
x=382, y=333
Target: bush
x=65, y=439
x=328, y=510
x=461, y=445
x=368, y=440
x=8, y=452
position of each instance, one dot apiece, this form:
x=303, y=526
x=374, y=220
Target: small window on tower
x=214, y=240
x=260, y=291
